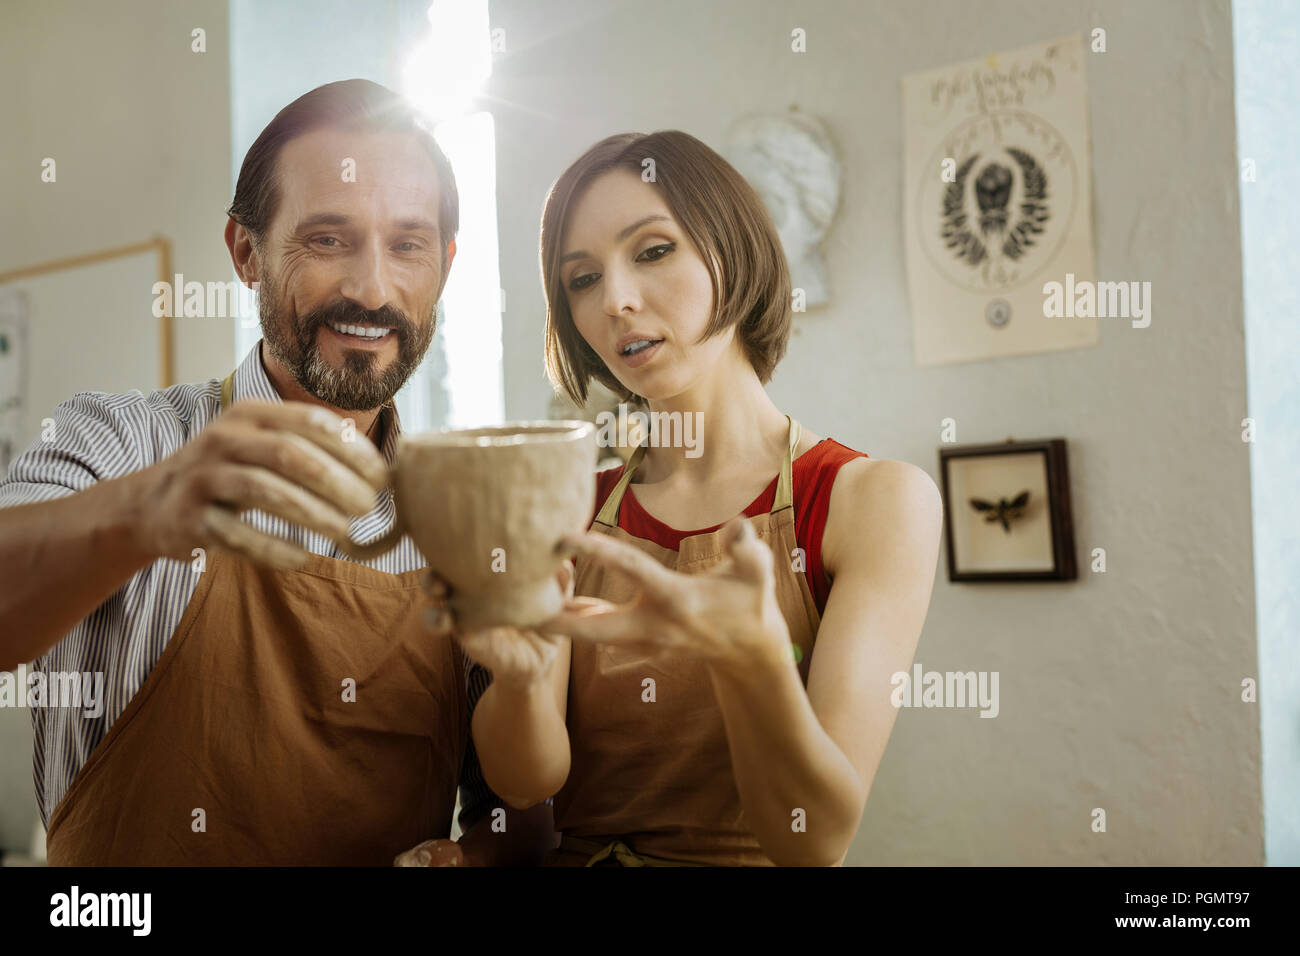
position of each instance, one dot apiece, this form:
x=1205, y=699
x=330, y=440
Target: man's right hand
x=288, y=459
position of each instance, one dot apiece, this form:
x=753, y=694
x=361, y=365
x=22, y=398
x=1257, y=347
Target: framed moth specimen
x=1007, y=511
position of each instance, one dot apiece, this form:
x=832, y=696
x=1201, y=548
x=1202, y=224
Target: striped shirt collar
x=251, y=381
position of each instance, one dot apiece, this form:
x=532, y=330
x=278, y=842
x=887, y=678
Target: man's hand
x=287, y=459
x=433, y=853
x=526, y=839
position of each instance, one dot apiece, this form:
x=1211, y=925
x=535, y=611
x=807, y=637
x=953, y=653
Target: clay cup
x=487, y=507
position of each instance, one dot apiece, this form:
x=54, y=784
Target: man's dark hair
x=347, y=104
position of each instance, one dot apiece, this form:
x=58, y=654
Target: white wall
x=139, y=128
x=1118, y=691
x=1267, y=36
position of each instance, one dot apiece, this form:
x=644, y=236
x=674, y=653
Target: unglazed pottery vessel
x=487, y=508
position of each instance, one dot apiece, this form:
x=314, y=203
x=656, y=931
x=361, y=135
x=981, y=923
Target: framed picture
x=1007, y=511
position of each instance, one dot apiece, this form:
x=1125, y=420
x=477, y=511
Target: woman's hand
x=513, y=656
x=729, y=615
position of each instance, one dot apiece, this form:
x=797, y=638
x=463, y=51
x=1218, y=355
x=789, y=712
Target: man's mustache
x=346, y=313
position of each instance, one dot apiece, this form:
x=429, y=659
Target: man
x=293, y=709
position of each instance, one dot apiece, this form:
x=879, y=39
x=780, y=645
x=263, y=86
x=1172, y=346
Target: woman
x=723, y=694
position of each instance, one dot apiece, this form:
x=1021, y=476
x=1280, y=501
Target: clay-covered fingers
x=593, y=619
x=434, y=585
x=565, y=578
x=496, y=639
x=222, y=526
x=438, y=617
x=241, y=487
x=300, y=461
x=511, y=654
x=432, y=853
x=322, y=428
x=654, y=579
x=439, y=620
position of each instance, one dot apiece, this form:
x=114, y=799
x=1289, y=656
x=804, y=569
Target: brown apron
x=651, y=783
x=244, y=719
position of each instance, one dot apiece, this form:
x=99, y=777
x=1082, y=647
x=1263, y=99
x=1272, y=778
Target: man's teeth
x=639, y=346
x=361, y=331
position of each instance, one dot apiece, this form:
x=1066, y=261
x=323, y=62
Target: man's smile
x=359, y=334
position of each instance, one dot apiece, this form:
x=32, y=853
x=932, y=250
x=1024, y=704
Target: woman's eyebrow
x=623, y=234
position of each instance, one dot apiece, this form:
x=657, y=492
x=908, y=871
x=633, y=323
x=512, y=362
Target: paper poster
x=997, y=202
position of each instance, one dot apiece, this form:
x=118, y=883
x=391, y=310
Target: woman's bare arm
x=881, y=548
x=520, y=733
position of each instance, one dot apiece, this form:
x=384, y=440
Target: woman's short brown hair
x=725, y=219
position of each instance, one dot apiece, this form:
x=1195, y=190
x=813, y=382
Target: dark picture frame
x=980, y=528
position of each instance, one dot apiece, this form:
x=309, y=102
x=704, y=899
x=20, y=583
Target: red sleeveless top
x=812, y=474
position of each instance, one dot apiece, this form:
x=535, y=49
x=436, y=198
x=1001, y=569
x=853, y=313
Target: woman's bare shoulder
x=880, y=483
x=875, y=496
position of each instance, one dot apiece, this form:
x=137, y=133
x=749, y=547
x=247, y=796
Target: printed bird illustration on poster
x=997, y=202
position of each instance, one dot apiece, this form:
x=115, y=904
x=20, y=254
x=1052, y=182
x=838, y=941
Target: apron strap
x=608, y=514
x=785, y=484
x=227, y=391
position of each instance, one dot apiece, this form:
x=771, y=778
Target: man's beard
x=358, y=385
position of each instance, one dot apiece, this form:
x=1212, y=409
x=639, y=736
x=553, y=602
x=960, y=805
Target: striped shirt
x=98, y=436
